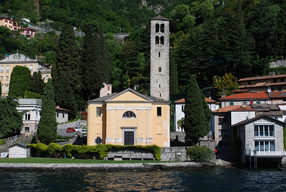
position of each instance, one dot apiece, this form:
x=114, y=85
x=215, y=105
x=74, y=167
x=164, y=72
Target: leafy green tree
x=181, y=11
x=6, y=41
x=262, y=23
x=20, y=81
x=11, y=120
x=225, y=84
x=37, y=84
x=189, y=21
x=47, y=129
x=206, y=9
x=195, y=118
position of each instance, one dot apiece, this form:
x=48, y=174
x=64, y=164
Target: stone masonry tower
x=159, y=58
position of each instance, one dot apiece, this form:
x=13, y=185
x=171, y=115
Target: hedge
x=101, y=149
x=32, y=95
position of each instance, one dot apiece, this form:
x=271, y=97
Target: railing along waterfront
x=248, y=152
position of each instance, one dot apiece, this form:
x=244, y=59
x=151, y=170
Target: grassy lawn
x=77, y=161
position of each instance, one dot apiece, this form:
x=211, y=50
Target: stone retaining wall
x=104, y=167
x=174, y=154
x=278, y=63
x=131, y=154
x=14, y=139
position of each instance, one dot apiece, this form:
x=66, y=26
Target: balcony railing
x=248, y=152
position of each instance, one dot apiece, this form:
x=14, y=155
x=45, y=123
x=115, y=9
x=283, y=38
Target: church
x=129, y=117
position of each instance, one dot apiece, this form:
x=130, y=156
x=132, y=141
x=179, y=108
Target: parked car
x=77, y=129
x=70, y=130
x=84, y=131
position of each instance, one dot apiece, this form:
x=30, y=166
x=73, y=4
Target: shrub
x=2, y=141
x=101, y=149
x=53, y=147
x=200, y=153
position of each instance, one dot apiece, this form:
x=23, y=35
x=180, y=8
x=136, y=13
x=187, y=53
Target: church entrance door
x=129, y=138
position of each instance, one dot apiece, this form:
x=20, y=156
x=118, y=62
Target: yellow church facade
x=128, y=118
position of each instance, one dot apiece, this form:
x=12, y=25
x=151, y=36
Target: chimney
x=57, y=106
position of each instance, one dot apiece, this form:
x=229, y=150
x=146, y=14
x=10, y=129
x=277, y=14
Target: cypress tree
x=206, y=111
x=104, y=57
x=67, y=59
x=92, y=80
x=20, y=81
x=37, y=84
x=66, y=68
x=195, y=117
x=47, y=129
x=67, y=93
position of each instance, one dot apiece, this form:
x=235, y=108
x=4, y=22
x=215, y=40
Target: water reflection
x=215, y=179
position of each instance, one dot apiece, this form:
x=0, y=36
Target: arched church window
x=162, y=40
x=157, y=28
x=162, y=28
x=156, y=40
x=129, y=114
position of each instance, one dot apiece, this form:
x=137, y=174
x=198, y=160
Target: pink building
x=13, y=26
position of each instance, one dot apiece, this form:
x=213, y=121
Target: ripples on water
x=215, y=179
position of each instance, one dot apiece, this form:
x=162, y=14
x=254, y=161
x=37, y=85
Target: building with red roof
x=223, y=118
x=261, y=97
x=263, y=83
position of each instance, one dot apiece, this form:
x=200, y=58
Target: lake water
x=211, y=179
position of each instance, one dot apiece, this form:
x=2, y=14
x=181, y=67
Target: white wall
x=62, y=116
x=238, y=116
x=19, y=152
x=179, y=114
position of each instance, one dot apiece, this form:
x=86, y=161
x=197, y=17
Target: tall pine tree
x=92, y=78
x=104, y=57
x=47, y=129
x=195, y=123
x=67, y=67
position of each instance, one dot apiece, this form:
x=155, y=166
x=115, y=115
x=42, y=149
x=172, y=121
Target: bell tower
x=159, y=58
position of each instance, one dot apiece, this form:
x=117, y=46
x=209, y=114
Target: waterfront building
x=128, y=118
x=261, y=137
x=225, y=117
